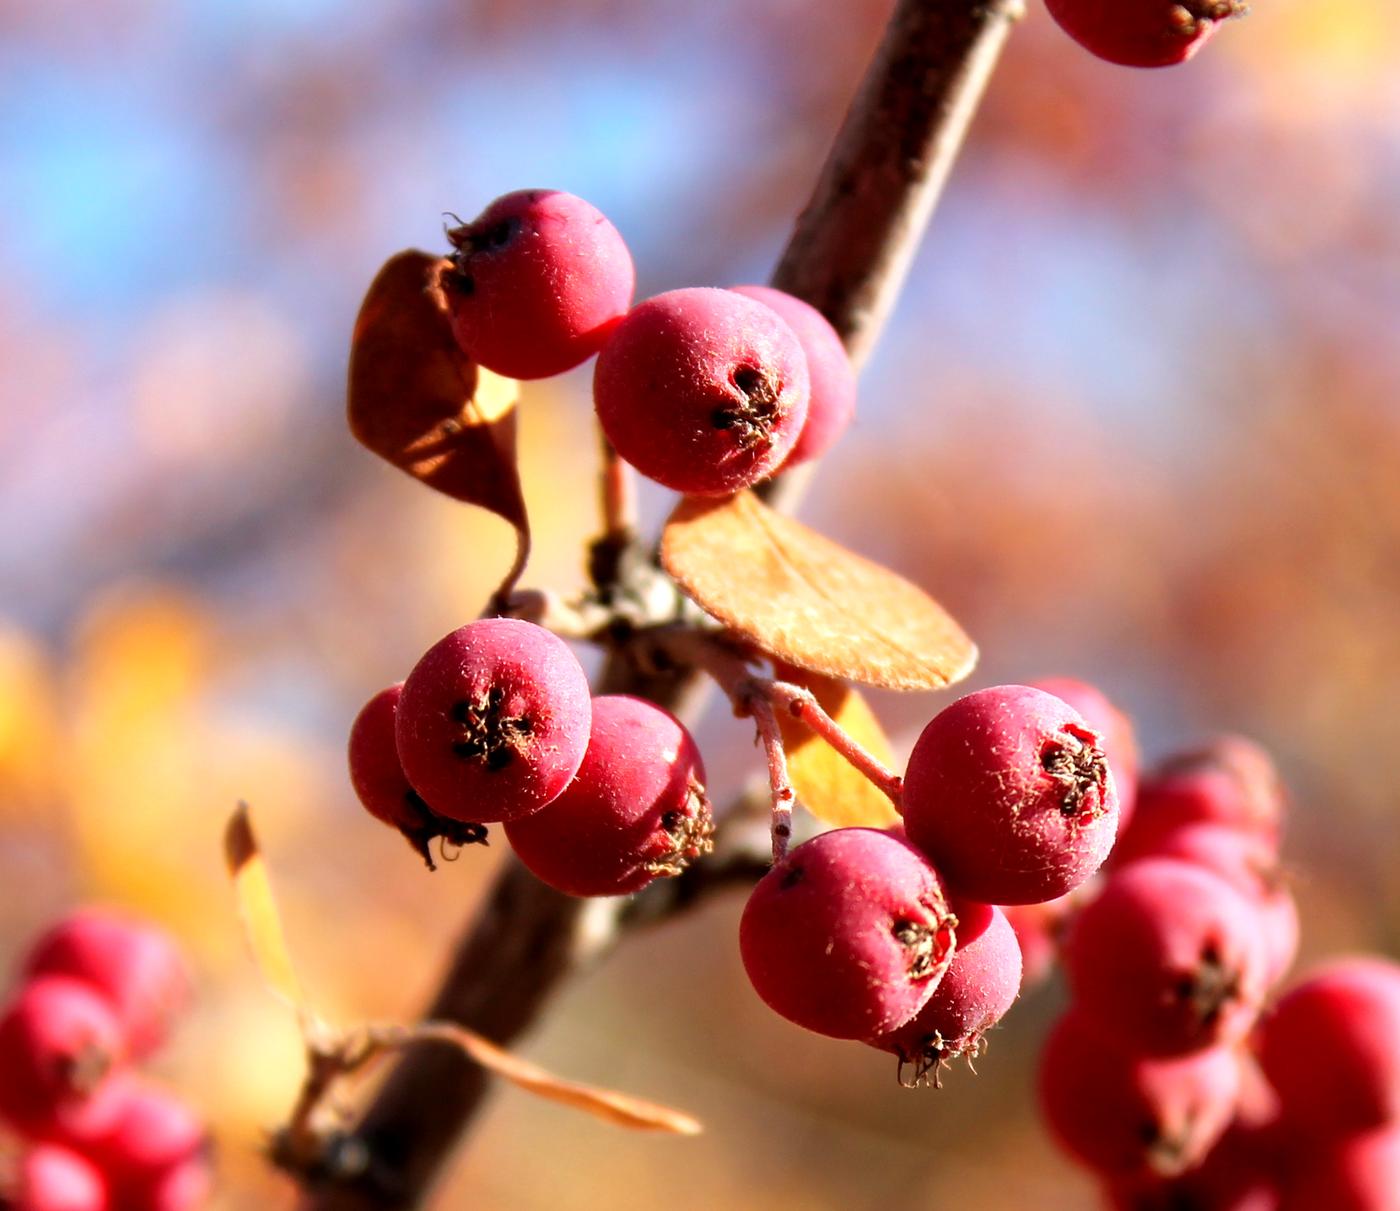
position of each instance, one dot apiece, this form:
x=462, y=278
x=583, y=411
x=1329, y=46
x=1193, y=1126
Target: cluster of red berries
x=495, y=724
x=1143, y=33
x=896, y=938
x=703, y=390
x=97, y=993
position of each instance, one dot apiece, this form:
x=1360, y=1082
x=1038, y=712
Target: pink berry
x=56, y=1179
x=1119, y=739
x=636, y=810
x=1142, y=33
x=848, y=935
x=974, y=994
x=1168, y=959
x=58, y=1042
x=1037, y=928
x=1126, y=1115
x=829, y=371
x=1241, y=1173
x=1245, y=860
x=383, y=789
x=492, y=722
x=1331, y=1048
x=704, y=391
x=1353, y=1173
x=539, y=280
x=154, y=1133
x=134, y=965
x=1279, y=913
x=1008, y=792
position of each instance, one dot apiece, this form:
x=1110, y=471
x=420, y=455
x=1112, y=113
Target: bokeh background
x=1136, y=419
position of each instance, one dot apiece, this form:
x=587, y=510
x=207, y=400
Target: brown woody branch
x=848, y=256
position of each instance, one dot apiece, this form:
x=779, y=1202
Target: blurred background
x=1137, y=419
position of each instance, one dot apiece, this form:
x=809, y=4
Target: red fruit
x=1243, y=859
x=183, y=1187
x=1037, y=928
x=1119, y=740
x=134, y=965
x=1280, y=916
x=829, y=372
x=1241, y=1173
x=704, y=391
x=383, y=789
x=493, y=721
x=1125, y=1115
x=1143, y=33
x=1169, y=959
x=974, y=994
x=1008, y=792
x=1354, y=1173
x=636, y=810
x=155, y=1132
x=55, y=1179
x=1331, y=1048
x=58, y=1042
x=539, y=279
x=848, y=935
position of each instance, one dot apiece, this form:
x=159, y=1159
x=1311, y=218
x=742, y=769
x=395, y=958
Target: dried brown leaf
x=416, y=400
x=809, y=602
x=828, y=785
x=257, y=907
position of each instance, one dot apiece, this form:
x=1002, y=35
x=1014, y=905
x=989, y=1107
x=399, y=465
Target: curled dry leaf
x=828, y=785
x=257, y=907
x=416, y=400
x=809, y=602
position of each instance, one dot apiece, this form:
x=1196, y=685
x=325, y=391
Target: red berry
x=1037, y=928
x=1125, y=1115
x=1008, y=792
x=185, y=1186
x=383, y=789
x=973, y=996
x=1142, y=33
x=1243, y=1172
x=55, y=1179
x=493, y=721
x=829, y=371
x=704, y=391
x=539, y=280
x=155, y=1132
x=1331, y=1048
x=58, y=1042
x=1245, y=860
x=1168, y=959
x=1119, y=739
x=1279, y=912
x=1354, y=1173
x=848, y=935
x=637, y=808
x=134, y=965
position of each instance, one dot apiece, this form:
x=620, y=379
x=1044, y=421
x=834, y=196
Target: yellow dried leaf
x=257, y=907
x=809, y=602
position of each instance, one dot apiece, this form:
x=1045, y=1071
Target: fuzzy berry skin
x=703, y=390
x=848, y=935
x=1169, y=959
x=155, y=1133
x=135, y=966
x=832, y=403
x=493, y=721
x=382, y=787
x=1354, y=1173
x=974, y=994
x=1142, y=33
x=538, y=281
x=1008, y=793
x=59, y=1040
x=636, y=809
x=1331, y=1048
x=52, y=1178
x=1127, y=1116
x=1119, y=739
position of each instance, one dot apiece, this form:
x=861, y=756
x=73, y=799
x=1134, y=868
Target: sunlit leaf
x=258, y=908
x=808, y=601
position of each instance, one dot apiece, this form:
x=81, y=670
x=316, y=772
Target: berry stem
x=781, y=786
x=619, y=497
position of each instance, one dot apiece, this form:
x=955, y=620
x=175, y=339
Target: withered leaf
x=257, y=906
x=809, y=602
x=828, y=785
x=416, y=400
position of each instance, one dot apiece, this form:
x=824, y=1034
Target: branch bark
x=848, y=256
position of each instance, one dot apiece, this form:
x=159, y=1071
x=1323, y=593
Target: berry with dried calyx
x=382, y=787
x=1008, y=793
x=1143, y=33
x=636, y=809
x=492, y=723
x=1119, y=739
x=536, y=283
x=848, y=935
x=703, y=390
